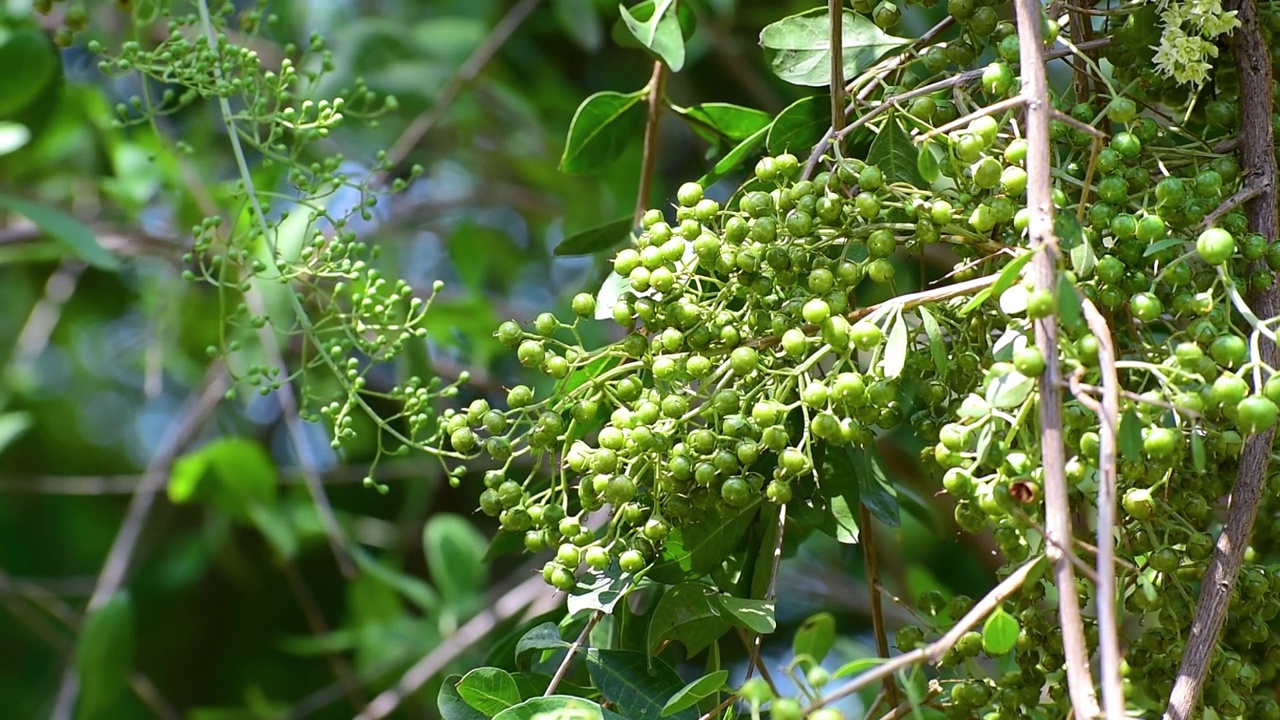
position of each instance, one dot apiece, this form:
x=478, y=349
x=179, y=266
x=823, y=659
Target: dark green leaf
x=734, y=122
x=600, y=131
x=893, y=152
x=413, y=589
x=1129, y=436
x=232, y=474
x=686, y=614
x=554, y=707
x=937, y=344
x=1083, y=258
x=1009, y=391
x=29, y=49
x=927, y=163
x=1197, y=450
x=624, y=679
x=1008, y=276
x=593, y=240
x=838, y=483
x=800, y=126
x=709, y=543
x=104, y=654
x=798, y=48
x=895, y=349
x=694, y=692
x=489, y=690
x=874, y=489
x=999, y=633
x=754, y=615
x=1067, y=228
x=63, y=229
x=454, y=549
x=738, y=155
x=659, y=33
x=452, y=706
x=1070, y=311
x=815, y=637
x=540, y=639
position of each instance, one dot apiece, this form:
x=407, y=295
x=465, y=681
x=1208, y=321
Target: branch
x=657, y=91
x=877, y=602
x=1044, y=271
x=835, y=12
x=1253, y=65
x=933, y=652
x=573, y=650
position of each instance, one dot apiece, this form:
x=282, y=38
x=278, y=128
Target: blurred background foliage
x=235, y=605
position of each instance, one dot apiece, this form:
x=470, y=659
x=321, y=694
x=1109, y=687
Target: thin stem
x=573, y=651
x=320, y=628
x=1044, y=271
x=657, y=92
x=872, y=560
x=992, y=109
x=835, y=11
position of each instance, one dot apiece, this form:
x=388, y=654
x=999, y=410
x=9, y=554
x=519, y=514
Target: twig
x=1242, y=196
x=1253, y=67
x=934, y=652
x=115, y=570
x=1044, y=270
x=657, y=91
x=573, y=651
x=992, y=109
x=1082, y=127
x=1109, y=421
x=473, y=631
x=315, y=620
x=911, y=706
x=868, y=541
x=43, y=319
x=835, y=13
x=466, y=72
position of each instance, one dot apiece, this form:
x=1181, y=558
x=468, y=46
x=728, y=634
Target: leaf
x=1083, y=259
x=815, y=637
x=1070, y=311
x=643, y=11
x=593, y=240
x=937, y=345
x=999, y=633
x=13, y=137
x=1129, y=436
x=580, y=21
x=600, y=131
x=1068, y=230
x=104, y=654
x=659, y=33
x=276, y=528
x=451, y=705
x=754, y=615
x=874, y=489
x=844, y=520
x=1008, y=276
x=611, y=289
x=974, y=407
x=798, y=48
x=64, y=230
x=413, y=589
x=598, y=591
x=27, y=48
x=695, y=691
x=454, y=549
x=800, y=125
x=709, y=543
x=893, y=152
x=686, y=614
x=735, y=157
x=1009, y=391
x=540, y=638
x=857, y=667
x=489, y=690
x=232, y=474
x=1160, y=245
x=553, y=707
x=895, y=350
x=12, y=426
x=625, y=680
x=1197, y=450
x=927, y=163
x=734, y=122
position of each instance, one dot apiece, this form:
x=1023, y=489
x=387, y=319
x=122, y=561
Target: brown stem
x=657, y=90
x=320, y=628
x=835, y=11
x=1044, y=270
x=1253, y=65
x=868, y=541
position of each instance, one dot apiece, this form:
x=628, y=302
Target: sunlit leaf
x=450, y=704
x=489, y=690
x=660, y=32
x=695, y=691
x=1009, y=391
x=734, y=122
x=752, y=614
x=12, y=426
x=231, y=474
x=798, y=48
x=895, y=349
x=559, y=707
x=999, y=633
x=815, y=637
x=927, y=163
x=1008, y=276
x=601, y=129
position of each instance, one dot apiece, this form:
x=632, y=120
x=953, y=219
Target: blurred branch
x=320, y=628
x=199, y=408
x=35, y=334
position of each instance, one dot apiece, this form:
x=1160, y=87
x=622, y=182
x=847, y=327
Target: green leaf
x=593, y=240
x=707, y=544
x=1197, y=450
x=1008, y=276
x=696, y=691
x=63, y=229
x=553, y=707
x=624, y=679
x=599, y=591
x=815, y=637
x=1070, y=311
x=104, y=654
x=1009, y=391
x=927, y=163
x=601, y=129
x=798, y=48
x=13, y=137
x=540, y=639
x=31, y=50
x=413, y=589
x=232, y=474
x=937, y=344
x=857, y=667
x=893, y=152
x=844, y=520
x=1129, y=436
x=659, y=33
x=276, y=528
x=489, y=690
x=451, y=705
x=999, y=633
x=454, y=549
x=686, y=614
x=734, y=122
x=752, y=614
x=1164, y=244
x=643, y=11
x=581, y=22
x=800, y=126
x=12, y=425
x=875, y=491
x=1068, y=230
x=895, y=349
x=735, y=157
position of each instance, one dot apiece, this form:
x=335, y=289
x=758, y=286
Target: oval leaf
x=454, y=549
x=800, y=126
x=232, y=474
x=636, y=683
x=798, y=48
x=734, y=159
x=734, y=122
x=686, y=614
x=600, y=131
x=489, y=690
x=1009, y=391
x=999, y=633
x=593, y=240
x=559, y=707
x=816, y=637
